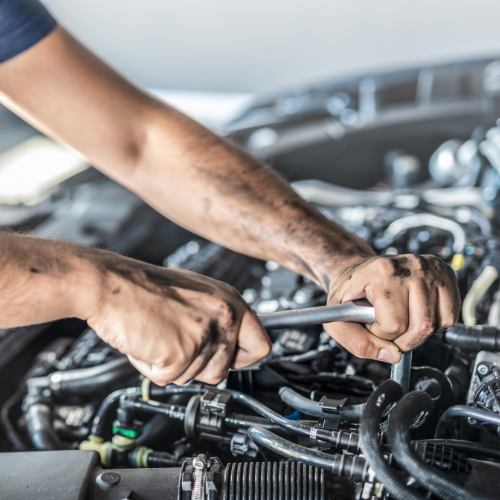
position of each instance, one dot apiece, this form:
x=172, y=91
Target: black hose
x=411, y=406
x=278, y=419
x=348, y=441
x=40, y=430
x=172, y=389
x=304, y=405
x=174, y=412
x=154, y=430
x=475, y=338
x=239, y=420
x=465, y=411
x=164, y=459
x=89, y=380
x=351, y=413
x=385, y=395
x=12, y=435
x=98, y=422
x=468, y=447
x=351, y=466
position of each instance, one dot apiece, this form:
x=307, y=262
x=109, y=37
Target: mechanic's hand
x=176, y=325
x=413, y=296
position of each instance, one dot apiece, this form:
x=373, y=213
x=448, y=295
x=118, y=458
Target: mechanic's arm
x=213, y=188
x=175, y=325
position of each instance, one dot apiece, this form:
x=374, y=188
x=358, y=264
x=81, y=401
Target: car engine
x=408, y=161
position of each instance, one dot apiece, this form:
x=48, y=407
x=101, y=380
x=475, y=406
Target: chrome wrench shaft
x=296, y=318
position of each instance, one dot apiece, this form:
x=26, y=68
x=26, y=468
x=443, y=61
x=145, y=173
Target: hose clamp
x=200, y=479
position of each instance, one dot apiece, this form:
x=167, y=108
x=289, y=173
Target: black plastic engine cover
x=46, y=475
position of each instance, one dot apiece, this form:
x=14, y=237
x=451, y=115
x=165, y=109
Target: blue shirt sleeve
x=23, y=23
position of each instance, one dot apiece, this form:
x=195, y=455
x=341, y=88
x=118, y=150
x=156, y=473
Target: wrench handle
x=309, y=316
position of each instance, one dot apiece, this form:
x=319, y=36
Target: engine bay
x=311, y=421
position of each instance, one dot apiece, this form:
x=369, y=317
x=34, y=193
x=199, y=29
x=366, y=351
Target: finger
x=390, y=301
x=448, y=305
x=158, y=377
x=423, y=307
x=212, y=363
x=216, y=369
x=253, y=342
x=360, y=342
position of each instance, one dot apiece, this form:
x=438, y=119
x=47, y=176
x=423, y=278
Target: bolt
x=200, y=462
x=108, y=479
x=483, y=369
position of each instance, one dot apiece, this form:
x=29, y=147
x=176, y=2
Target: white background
x=263, y=45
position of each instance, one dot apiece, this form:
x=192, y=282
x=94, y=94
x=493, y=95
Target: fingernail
x=388, y=355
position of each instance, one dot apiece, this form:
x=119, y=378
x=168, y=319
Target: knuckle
x=360, y=347
x=385, y=267
x=447, y=322
x=432, y=259
x=226, y=315
x=396, y=326
x=426, y=327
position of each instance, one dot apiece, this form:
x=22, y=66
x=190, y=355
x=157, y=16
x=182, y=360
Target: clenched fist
x=176, y=325
x=413, y=296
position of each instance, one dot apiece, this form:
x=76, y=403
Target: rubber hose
x=474, y=338
x=348, y=441
x=16, y=440
x=351, y=466
x=465, y=411
x=410, y=407
x=99, y=419
x=39, y=423
x=89, y=380
x=238, y=421
x=468, y=447
x=381, y=398
x=164, y=459
x=171, y=389
x=276, y=418
x=480, y=286
x=153, y=430
x=351, y=413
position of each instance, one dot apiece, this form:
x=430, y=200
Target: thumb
x=363, y=344
x=253, y=342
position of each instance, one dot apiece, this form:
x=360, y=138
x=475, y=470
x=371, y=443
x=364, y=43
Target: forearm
x=184, y=170
x=43, y=280
x=221, y=192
